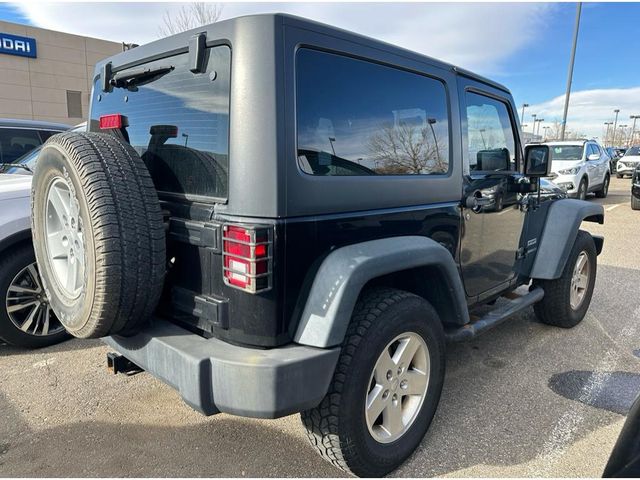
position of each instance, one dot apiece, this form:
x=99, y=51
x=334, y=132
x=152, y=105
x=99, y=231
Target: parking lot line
x=613, y=206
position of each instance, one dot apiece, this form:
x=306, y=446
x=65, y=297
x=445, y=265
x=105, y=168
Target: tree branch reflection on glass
x=408, y=149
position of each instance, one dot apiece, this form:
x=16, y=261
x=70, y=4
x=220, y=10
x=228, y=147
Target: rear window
x=178, y=122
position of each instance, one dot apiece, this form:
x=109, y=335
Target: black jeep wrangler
x=276, y=216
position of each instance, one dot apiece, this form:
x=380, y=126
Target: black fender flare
x=345, y=271
x=559, y=233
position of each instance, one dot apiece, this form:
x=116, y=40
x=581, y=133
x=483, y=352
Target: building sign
x=16, y=45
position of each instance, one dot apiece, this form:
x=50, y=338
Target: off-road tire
x=337, y=427
x=555, y=308
x=602, y=193
x=124, y=251
x=12, y=262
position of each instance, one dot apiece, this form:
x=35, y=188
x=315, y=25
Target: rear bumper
x=214, y=376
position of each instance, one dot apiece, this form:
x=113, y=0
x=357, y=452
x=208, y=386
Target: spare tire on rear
x=98, y=234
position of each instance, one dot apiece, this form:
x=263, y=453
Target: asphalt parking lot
x=524, y=400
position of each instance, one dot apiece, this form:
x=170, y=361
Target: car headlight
x=569, y=171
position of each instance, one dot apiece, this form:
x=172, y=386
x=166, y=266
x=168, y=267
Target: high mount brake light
x=108, y=122
x=246, y=257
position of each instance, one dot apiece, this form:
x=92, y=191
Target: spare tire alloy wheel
x=64, y=240
x=98, y=234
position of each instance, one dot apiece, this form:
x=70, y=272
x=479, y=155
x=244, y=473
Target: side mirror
x=593, y=157
x=537, y=160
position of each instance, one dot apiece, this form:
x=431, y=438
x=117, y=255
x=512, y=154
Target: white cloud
x=480, y=37
x=589, y=109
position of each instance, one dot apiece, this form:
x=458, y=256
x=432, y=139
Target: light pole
x=545, y=128
x=331, y=140
x=615, y=124
x=606, y=136
x=633, y=130
x=540, y=120
x=534, y=115
x=524, y=105
x=570, y=74
x=482, y=130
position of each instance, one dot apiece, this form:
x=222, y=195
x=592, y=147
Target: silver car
x=580, y=167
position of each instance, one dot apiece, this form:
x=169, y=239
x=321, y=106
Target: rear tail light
x=115, y=120
x=246, y=257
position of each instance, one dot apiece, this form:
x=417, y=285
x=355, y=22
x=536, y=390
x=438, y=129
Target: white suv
x=580, y=167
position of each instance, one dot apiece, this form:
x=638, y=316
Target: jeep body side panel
x=345, y=271
x=560, y=229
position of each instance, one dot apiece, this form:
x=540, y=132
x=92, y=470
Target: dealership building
x=46, y=75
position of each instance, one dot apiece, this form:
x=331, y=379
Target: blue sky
x=525, y=46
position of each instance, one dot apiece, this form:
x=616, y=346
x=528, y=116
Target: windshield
x=567, y=152
x=632, y=151
x=178, y=121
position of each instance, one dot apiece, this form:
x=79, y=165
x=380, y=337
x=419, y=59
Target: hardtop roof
x=151, y=49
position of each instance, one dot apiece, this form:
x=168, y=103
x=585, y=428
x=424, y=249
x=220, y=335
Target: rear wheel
x=98, y=234
x=602, y=193
x=386, y=386
x=26, y=320
x=635, y=203
x=566, y=299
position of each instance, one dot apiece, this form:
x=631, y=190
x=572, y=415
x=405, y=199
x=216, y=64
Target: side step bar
x=494, y=317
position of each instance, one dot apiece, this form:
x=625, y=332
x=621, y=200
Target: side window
x=491, y=141
x=15, y=142
x=356, y=117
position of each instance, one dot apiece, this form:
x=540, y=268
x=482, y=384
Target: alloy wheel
x=579, y=281
x=397, y=388
x=27, y=304
x=64, y=237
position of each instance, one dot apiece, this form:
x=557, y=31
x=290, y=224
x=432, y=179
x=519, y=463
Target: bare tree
x=189, y=16
x=555, y=131
x=407, y=149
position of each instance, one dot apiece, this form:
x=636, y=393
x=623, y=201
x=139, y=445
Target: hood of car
x=14, y=186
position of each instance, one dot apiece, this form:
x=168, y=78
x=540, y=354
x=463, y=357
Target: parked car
x=18, y=137
x=628, y=162
x=635, y=188
x=580, y=167
x=186, y=230
x=613, y=158
x=26, y=319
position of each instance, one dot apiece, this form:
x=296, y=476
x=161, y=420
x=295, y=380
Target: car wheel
x=26, y=319
x=385, y=388
x=635, y=203
x=602, y=193
x=582, y=189
x=619, y=175
x=566, y=299
x=98, y=234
